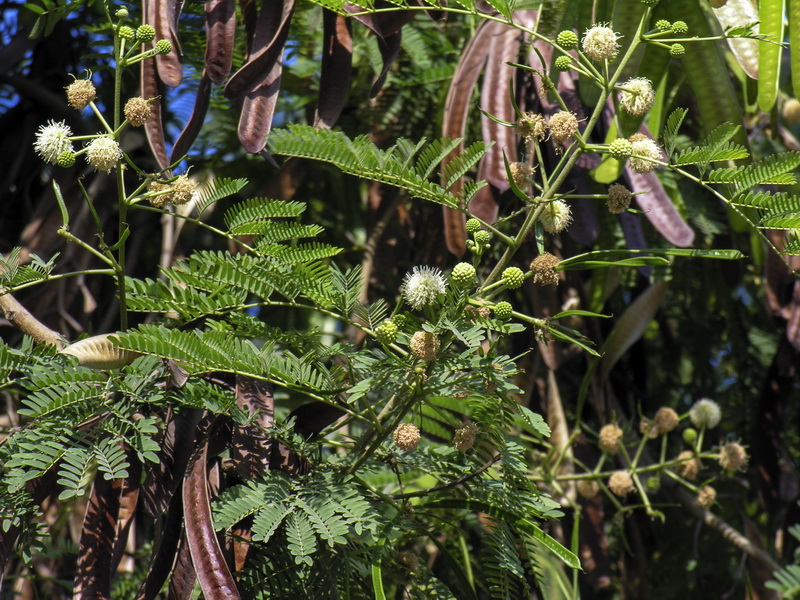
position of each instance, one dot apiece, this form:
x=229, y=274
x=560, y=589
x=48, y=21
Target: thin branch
x=455, y=482
x=20, y=318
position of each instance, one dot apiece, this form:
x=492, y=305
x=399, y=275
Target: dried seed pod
x=99, y=352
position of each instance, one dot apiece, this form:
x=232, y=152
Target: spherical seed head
x=386, y=332
x=163, y=47
x=563, y=126
x=145, y=33
x=689, y=436
x=463, y=275
x=103, y=153
x=424, y=345
x=653, y=484
x=502, y=310
x=408, y=560
x=645, y=151
x=556, y=217
x=513, y=278
x=563, y=63
x=610, y=438
x=791, y=111
x=680, y=28
x=638, y=96
x=619, y=199
x=520, y=173
x=600, y=42
x=677, y=50
x=66, y=159
x=544, y=269
x=567, y=39
x=406, y=436
x=126, y=33
x=588, y=488
x=473, y=225
x=52, y=140
x=663, y=25
x=732, y=457
x=482, y=237
x=690, y=465
x=464, y=436
x=620, y=148
x=532, y=126
x=620, y=483
x=706, y=496
x=80, y=92
x=705, y=413
x=183, y=190
x=666, y=420
x=161, y=200
x=422, y=286
x=137, y=111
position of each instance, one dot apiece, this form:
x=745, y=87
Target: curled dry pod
x=220, y=31
x=99, y=352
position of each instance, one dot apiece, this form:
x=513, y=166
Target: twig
x=455, y=482
x=20, y=318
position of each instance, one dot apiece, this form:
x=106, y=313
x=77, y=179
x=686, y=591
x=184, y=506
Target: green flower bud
x=690, y=436
x=66, y=159
x=677, y=50
x=680, y=28
x=163, y=47
x=663, y=25
x=563, y=63
x=621, y=149
x=653, y=484
x=122, y=13
x=482, y=237
x=126, y=33
x=145, y=33
x=567, y=40
x=386, y=332
x=473, y=225
x=463, y=275
x=400, y=320
x=513, y=277
x=502, y=310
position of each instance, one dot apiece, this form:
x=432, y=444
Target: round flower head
x=66, y=159
x=791, y=111
x=637, y=96
x=422, y=286
x=663, y=25
x=513, y=278
x=705, y=413
x=473, y=225
x=520, y=173
x=563, y=63
x=567, y=39
x=680, y=28
x=463, y=275
x=620, y=483
x=532, y=126
x=122, y=13
x=556, y=216
x=126, y=33
x=544, y=269
x=464, y=436
x=689, y=436
x=80, y=92
x=732, y=457
x=406, y=436
x=183, y=190
x=386, y=332
x=145, y=33
x=161, y=200
x=503, y=310
x=51, y=140
x=163, y=47
x=600, y=43
x=588, y=488
x=706, y=496
x=609, y=438
x=424, y=345
x=677, y=50
x=563, y=126
x=620, y=148
x=103, y=153
x=137, y=111
x=689, y=466
x=665, y=420
x=619, y=199
x=644, y=151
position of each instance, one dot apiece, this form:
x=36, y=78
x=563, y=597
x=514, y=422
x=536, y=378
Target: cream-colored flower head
x=103, y=153
x=563, y=126
x=610, y=438
x=520, y=173
x=587, y=488
x=544, y=269
x=556, y=216
x=51, y=140
x=619, y=199
x=422, y=286
x=706, y=496
x=732, y=457
x=600, y=42
x=637, y=96
x=424, y=345
x=620, y=483
x=464, y=436
x=183, y=190
x=80, y=92
x=532, y=126
x=690, y=465
x=705, y=413
x=137, y=111
x=645, y=151
x=406, y=436
x=161, y=200
x=666, y=420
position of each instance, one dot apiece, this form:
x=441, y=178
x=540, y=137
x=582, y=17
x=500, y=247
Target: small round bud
x=689, y=466
x=600, y=43
x=424, y=345
x=520, y=173
x=645, y=152
x=620, y=148
x=705, y=413
x=183, y=190
x=464, y=436
x=400, y=320
x=463, y=275
x=706, y=497
x=145, y=33
x=66, y=159
x=791, y=111
x=653, y=484
x=689, y=436
x=406, y=436
x=163, y=47
x=663, y=25
x=677, y=50
x=473, y=225
x=126, y=33
x=544, y=269
x=563, y=63
x=732, y=457
x=666, y=420
x=386, y=332
x=482, y=237
x=502, y=310
x=680, y=28
x=122, y=13
x=137, y=111
x=563, y=126
x=567, y=39
x=556, y=217
x=513, y=278
x=161, y=200
x=637, y=96
x=103, y=153
x=610, y=438
x=619, y=199
x=80, y=92
x=532, y=126
x=587, y=488
x=620, y=483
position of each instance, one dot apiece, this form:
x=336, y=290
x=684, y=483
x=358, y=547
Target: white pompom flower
x=51, y=140
x=556, y=217
x=103, y=153
x=637, y=96
x=705, y=413
x=600, y=42
x=422, y=286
